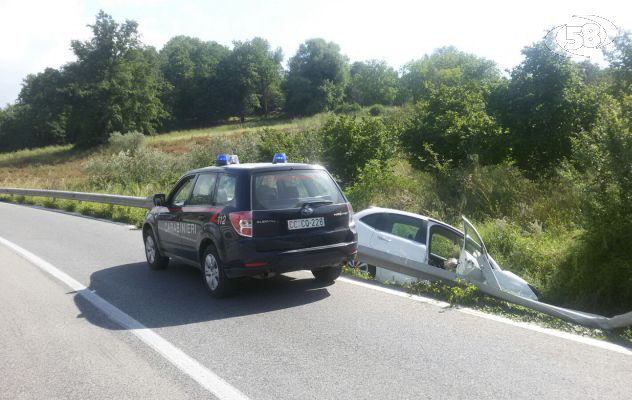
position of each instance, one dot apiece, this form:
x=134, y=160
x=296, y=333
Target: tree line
x=462, y=103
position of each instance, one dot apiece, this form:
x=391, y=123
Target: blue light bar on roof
x=222, y=159
x=226, y=159
x=279, y=158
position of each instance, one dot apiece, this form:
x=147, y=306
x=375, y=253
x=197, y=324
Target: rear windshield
x=292, y=189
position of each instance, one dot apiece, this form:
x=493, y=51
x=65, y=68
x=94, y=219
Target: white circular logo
x=584, y=37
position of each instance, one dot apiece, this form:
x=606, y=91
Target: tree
x=190, y=66
x=317, y=78
x=450, y=124
x=12, y=135
x=251, y=78
x=372, y=82
x=451, y=121
x=43, y=103
x=270, y=78
x=446, y=65
x=350, y=143
x=545, y=105
x=620, y=60
x=115, y=84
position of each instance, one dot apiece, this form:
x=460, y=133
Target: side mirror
x=159, y=200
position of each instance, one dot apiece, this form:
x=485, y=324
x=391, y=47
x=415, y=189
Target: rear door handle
x=384, y=238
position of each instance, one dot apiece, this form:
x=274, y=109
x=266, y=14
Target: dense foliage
x=317, y=78
x=372, y=82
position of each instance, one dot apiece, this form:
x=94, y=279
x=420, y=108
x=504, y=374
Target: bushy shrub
x=348, y=108
x=376, y=110
x=132, y=169
x=243, y=145
x=395, y=185
x=449, y=126
x=349, y=143
x=597, y=274
x=304, y=146
x=131, y=142
x=529, y=251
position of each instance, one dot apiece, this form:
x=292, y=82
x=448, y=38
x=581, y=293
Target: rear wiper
x=317, y=203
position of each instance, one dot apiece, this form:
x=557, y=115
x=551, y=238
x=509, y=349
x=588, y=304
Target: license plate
x=304, y=223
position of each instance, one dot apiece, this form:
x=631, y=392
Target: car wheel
x=215, y=279
x=362, y=266
x=152, y=253
x=327, y=274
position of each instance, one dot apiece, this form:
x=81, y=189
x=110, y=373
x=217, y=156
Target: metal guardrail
x=127, y=201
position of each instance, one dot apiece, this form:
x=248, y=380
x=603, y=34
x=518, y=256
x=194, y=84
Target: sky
x=37, y=34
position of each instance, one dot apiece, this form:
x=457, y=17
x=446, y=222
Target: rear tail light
x=242, y=222
x=350, y=209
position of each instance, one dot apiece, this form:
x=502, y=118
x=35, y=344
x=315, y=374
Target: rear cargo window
x=292, y=189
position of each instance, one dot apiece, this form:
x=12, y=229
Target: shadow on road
x=177, y=296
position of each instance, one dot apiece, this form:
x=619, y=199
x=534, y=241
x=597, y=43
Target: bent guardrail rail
x=423, y=271
x=114, y=199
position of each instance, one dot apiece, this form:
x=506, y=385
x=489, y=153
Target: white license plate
x=305, y=223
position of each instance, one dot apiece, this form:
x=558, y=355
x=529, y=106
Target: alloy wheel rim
x=362, y=266
x=150, y=249
x=211, y=272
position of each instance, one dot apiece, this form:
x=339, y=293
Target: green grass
x=236, y=127
x=42, y=155
x=129, y=215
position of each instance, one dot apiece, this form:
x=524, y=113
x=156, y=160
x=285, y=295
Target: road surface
x=285, y=338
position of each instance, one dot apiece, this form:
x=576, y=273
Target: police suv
x=234, y=220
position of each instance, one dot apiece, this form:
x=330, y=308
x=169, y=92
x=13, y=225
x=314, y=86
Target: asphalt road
x=285, y=338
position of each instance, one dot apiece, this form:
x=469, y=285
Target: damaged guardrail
x=127, y=201
x=475, y=257
x=425, y=272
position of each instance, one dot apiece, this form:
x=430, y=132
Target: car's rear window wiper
x=317, y=203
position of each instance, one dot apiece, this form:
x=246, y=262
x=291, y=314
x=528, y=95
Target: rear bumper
x=293, y=260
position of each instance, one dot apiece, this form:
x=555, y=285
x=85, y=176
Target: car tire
x=214, y=274
x=327, y=274
x=155, y=260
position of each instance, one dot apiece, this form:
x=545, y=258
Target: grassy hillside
x=61, y=167
x=167, y=155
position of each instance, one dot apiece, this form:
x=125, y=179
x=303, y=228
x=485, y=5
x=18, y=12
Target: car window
x=291, y=189
x=445, y=243
x=226, y=191
x=403, y=226
x=371, y=220
x=182, y=193
x=203, y=190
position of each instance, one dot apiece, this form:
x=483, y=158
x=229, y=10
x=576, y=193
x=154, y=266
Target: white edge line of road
x=442, y=304
x=191, y=367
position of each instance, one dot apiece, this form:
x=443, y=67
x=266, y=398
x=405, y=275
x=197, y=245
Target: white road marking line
x=548, y=331
x=202, y=375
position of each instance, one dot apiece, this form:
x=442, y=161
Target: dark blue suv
x=234, y=220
